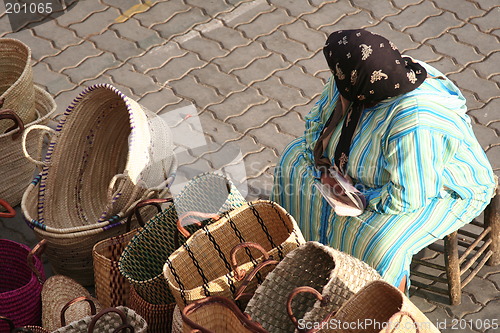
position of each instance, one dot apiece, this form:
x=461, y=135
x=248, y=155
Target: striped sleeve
x=415, y=162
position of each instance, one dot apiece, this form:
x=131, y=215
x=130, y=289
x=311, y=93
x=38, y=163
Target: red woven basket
x=21, y=279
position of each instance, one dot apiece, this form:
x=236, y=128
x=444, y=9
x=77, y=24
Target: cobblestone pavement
x=249, y=71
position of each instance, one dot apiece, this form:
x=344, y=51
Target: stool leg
x=452, y=268
x=492, y=219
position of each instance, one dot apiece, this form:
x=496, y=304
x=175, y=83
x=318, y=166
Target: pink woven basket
x=21, y=279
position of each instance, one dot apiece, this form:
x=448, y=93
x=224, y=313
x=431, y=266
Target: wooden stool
x=483, y=248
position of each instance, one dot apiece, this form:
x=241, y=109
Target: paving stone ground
x=248, y=71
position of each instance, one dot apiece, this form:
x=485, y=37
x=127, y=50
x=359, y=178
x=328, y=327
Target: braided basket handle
x=37, y=250
x=10, y=211
x=244, y=318
x=66, y=306
x=186, y=219
x=102, y=313
x=143, y=203
x=45, y=130
x=319, y=297
x=18, y=123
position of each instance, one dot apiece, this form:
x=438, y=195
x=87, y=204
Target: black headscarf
x=367, y=68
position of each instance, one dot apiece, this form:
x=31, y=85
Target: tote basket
x=21, y=279
x=15, y=172
x=16, y=82
x=106, y=154
x=112, y=288
x=323, y=268
x=377, y=308
x=143, y=259
x=217, y=314
x=108, y=320
x=70, y=254
x=26, y=329
x=202, y=266
x=158, y=316
x=64, y=300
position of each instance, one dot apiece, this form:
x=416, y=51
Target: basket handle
x=317, y=294
x=143, y=203
x=239, y=274
x=73, y=301
x=244, y=318
x=43, y=128
x=18, y=123
x=402, y=313
x=102, y=313
x=9, y=322
x=10, y=211
x=37, y=250
x=186, y=219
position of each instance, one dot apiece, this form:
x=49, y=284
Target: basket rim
x=27, y=66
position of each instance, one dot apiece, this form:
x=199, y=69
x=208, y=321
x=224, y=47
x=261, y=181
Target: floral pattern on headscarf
x=368, y=67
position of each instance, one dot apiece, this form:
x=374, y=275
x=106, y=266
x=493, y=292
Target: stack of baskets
x=22, y=104
x=106, y=154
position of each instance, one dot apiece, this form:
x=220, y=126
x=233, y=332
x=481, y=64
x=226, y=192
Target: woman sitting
x=398, y=130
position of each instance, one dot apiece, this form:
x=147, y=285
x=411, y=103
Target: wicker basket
x=59, y=294
x=112, y=288
x=16, y=82
x=201, y=267
x=21, y=279
x=158, y=316
x=15, y=172
x=177, y=324
x=108, y=320
x=107, y=153
x=323, y=268
x=382, y=305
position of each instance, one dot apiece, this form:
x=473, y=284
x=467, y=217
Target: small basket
x=64, y=300
x=16, y=82
x=332, y=273
x=108, y=320
x=21, y=279
x=204, y=265
x=15, y=172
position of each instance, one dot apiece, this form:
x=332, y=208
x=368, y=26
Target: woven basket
x=323, y=268
x=202, y=266
x=27, y=329
x=217, y=314
x=112, y=288
x=15, y=172
x=108, y=320
x=385, y=307
x=21, y=279
x=16, y=82
x=70, y=254
x=143, y=259
x=177, y=324
x=58, y=295
x=158, y=316
x=106, y=154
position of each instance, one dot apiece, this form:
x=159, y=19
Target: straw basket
x=332, y=273
x=143, y=259
x=107, y=153
x=21, y=279
x=112, y=288
x=64, y=300
x=16, y=82
x=108, y=320
x=382, y=308
x=202, y=266
x=217, y=314
x=15, y=172
x=177, y=324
